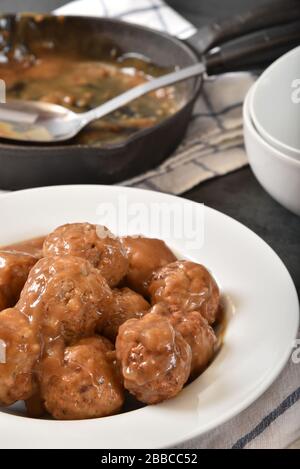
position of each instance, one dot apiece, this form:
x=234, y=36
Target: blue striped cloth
x=273, y=421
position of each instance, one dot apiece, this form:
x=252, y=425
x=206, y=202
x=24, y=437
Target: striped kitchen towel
x=273, y=421
x=213, y=145
x=153, y=13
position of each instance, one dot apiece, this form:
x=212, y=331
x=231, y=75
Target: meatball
x=67, y=296
x=199, y=335
x=14, y=270
x=145, y=255
x=186, y=286
x=20, y=351
x=155, y=359
x=93, y=243
x=127, y=304
x=85, y=383
x=196, y=331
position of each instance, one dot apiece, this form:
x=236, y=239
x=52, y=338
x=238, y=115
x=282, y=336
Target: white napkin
x=153, y=13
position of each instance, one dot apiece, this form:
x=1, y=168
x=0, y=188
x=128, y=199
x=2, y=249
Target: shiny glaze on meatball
x=20, y=352
x=83, y=381
x=94, y=243
x=127, y=304
x=196, y=331
x=186, y=286
x=14, y=270
x=145, y=256
x=67, y=297
x=154, y=357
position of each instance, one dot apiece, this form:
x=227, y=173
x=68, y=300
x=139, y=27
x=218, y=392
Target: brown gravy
x=32, y=246
x=44, y=70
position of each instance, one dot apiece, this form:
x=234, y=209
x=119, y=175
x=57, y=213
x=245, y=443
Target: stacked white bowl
x=272, y=129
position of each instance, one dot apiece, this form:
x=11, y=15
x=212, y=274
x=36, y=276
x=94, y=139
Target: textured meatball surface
x=84, y=383
x=14, y=270
x=196, y=331
x=127, y=304
x=154, y=357
x=94, y=243
x=186, y=286
x=20, y=351
x=199, y=335
x=67, y=296
x=145, y=255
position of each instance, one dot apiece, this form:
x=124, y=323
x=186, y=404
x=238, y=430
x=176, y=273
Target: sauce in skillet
x=43, y=72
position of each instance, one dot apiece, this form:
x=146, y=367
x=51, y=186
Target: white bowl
x=275, y=104
x=278, y=173
x=259, y=336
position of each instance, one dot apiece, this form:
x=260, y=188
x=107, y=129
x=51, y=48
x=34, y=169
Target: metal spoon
x=45, y=122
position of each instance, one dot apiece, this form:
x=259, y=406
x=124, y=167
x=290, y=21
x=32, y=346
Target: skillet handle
x=253, y=50
x=274, y=13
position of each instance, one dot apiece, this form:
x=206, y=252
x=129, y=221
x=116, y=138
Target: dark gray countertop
x=237, y=194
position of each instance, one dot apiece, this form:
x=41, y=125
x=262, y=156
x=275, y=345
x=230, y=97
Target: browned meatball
x=127, y=304
x=199, y=335
x=145, y=255
x=85, y=383
x=155, y=359
x=67, y=296
x=14, y=270
x=186, y=286
x=19, y=352
x=196, y=331
x=92, y=242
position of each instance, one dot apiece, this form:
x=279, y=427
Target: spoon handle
x=140, y=90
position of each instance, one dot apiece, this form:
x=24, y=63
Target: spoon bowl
x=37, y=121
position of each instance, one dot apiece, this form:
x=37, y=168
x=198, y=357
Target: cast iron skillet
x=23, y=166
